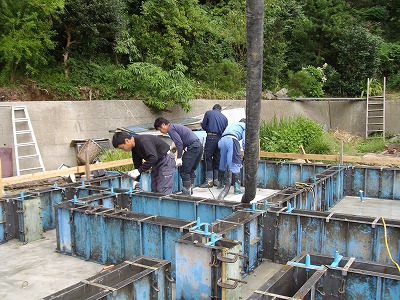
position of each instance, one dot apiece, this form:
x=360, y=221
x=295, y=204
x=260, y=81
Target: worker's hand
x=135, y=185
x=134, y=174
x=179, y=162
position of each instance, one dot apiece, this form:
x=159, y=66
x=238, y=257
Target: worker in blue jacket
x=214, y=123
x=189, y=150
x=231, y=156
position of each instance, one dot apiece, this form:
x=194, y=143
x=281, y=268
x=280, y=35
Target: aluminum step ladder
x=27, y=155
x=375, y=118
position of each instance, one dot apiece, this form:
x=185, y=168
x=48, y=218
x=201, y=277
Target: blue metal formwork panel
x=113, y=249
x=63, y=230
x=2, y=221
x=49, y=198
x=204, y=269
x=355, y=236
x=247, y=228
x=132, y=243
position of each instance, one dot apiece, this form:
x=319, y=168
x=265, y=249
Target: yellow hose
x=387, y=246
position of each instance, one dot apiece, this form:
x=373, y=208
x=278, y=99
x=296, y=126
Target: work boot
x=236, y=183
x=216, y=181
x=191, y=185
x=209, y=180
x=221, y=175
x=186, y=188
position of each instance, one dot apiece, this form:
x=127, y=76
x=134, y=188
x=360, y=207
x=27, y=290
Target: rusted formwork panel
x=208, y=267
x=288, y=234
x=344, y=278
x=375, y=182
x=280, y=175
x=141, y=278
x=318, y=193
x=182, y=207
x=108, y=235
x=246, y=227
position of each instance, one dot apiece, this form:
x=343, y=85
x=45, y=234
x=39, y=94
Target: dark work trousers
x=190, y=160
x=162, y=175
x=211, y=152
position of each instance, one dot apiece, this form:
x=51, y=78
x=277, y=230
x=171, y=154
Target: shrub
x=287, y=134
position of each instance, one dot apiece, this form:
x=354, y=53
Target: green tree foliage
x=158, y=88
x=358, y=58
x=92, y=28
x=26, y=35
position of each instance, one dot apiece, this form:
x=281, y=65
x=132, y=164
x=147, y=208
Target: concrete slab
x=35, y=270
x=372, y=207
x=212, y=193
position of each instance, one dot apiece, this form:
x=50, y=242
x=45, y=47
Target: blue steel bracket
x=197, y=228
x=214, y=238
x=336, y=260
x=253, y=208
x=306, y=265
x=289, y=208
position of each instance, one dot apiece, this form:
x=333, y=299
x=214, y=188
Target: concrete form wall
x=57, y=123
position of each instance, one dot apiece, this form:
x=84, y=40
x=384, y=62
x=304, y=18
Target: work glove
x=134, y=174
x=135, y=185
x=179, y=162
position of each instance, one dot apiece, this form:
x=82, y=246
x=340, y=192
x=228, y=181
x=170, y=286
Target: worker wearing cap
x=231, y=157
x=187, y=160
x=156, y=155
x=214, y=123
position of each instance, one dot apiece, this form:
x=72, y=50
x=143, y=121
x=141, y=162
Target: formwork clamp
x=336, y=260
x=307, y=264
x=253, y=208
x=198, y=226
x=228, y=285
x=214, y=238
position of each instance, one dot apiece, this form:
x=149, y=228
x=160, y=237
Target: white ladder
x=376, y=112
x=27, y=155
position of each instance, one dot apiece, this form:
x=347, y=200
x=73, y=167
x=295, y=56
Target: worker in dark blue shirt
x=187, y=160
x=214, y=123
x=156, y=155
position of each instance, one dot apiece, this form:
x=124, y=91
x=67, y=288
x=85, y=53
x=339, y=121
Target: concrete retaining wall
x=57, y=123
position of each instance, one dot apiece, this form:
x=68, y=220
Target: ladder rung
x=27, y=156
x=21, y=120
x=375, y=102
x=375, y=109
x=23, y=131
x=26, y=144
x=375, y=123
x=375, y=117
x=37, y=168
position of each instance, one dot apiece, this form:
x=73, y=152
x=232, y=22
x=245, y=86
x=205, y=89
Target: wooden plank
x=64, y=172
x=336, y=158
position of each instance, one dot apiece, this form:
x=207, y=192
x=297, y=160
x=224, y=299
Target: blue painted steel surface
x=359, y=237
x=50, y=197
x=2, y=221
x=199, y=266
x=110, y=235
x=182, y=207
x=246, y=227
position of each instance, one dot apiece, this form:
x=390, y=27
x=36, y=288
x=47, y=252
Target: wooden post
x=1, y=181
x=341, y=153
x=87, y=166
x=302, y=151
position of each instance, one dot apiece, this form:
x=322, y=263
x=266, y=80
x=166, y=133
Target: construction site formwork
x=92, y=217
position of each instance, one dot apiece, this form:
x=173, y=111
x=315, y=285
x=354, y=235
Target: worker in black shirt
x=214, y=123
x=156, y=154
